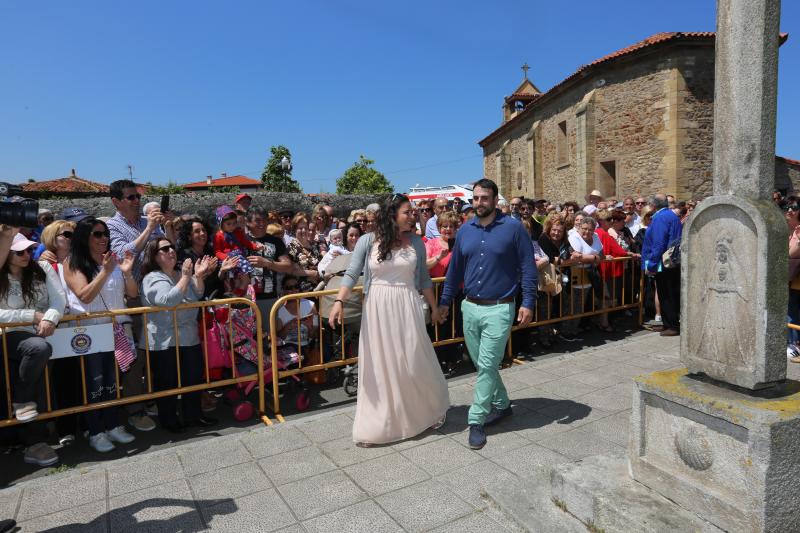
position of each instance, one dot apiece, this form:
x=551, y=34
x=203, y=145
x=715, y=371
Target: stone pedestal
x=731, y=457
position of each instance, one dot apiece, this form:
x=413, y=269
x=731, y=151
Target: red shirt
x=611, y=247
x=222, y=247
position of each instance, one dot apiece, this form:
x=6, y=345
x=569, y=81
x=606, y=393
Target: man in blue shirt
x=492, y=257
x=664, y=230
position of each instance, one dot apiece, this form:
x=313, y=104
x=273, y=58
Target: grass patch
x=59, y=469
x=593, y=528
x=561, y=504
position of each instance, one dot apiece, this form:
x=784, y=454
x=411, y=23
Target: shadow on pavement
x=124, y=518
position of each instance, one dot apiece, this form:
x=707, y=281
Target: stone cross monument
x=734, y=291
x=721, y=438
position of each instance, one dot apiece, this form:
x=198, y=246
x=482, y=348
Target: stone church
x=637, y=121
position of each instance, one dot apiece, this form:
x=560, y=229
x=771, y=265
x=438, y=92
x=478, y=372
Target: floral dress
x=307, y=258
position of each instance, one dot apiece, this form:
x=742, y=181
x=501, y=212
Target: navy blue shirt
x=492, y=261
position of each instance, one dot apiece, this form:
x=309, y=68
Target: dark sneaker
x=477, y=436
x=496, y=415
x=670, y=333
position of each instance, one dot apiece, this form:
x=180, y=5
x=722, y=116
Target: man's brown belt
x=479, y=301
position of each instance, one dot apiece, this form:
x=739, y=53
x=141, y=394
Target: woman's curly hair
x=386, y=230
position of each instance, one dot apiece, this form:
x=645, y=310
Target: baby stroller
x=241, y=321
x=343, y=346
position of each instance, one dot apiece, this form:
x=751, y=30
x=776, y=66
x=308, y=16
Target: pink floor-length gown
x=401, y=389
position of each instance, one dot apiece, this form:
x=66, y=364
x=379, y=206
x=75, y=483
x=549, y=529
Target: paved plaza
x=306, y=474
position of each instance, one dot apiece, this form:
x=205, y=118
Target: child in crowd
x=231, y=240
x=297, y=321
x=335, y=249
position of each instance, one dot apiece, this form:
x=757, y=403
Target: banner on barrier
x=82, y=340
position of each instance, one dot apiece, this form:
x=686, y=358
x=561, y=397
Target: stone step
x=594, y=494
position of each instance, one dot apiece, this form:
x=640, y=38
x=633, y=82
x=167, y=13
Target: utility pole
x=130, y=171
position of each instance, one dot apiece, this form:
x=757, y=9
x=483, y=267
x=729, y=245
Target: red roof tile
x=70, y=184
x=653, y=40
x=230, y=181
x=793, y=162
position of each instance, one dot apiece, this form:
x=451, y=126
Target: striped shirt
x=123, y=233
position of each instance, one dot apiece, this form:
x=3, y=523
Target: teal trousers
x=486, y=329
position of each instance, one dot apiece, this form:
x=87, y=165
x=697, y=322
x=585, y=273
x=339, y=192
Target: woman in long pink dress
x=401, y=389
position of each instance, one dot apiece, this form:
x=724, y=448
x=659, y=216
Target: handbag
x=672, y=257
x=124, y=352
x=549, y=280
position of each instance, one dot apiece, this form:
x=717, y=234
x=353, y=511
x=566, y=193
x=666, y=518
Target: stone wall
x=205, y=203
x=787, y=174
x=697, y=123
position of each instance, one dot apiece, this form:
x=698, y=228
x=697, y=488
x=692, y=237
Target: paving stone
x=213, y=455
x=578, y=444
x=9, y=499
x=231, y=482
x=598, y=378
x=425, y=437
x=364, y=517
x=328, y=428
x=168, y=508
x=468, y=482
x=424, y=506
x=512, y=383
x=532, y=376
x=573, y=415
x=49, y=496
x=477, y=522
x=294, y=528
x=145, y=472
x=385, y=474
x=568, y=387
x=321, y=494
x=262, y=511
x=274, y=440
x=87, y=518
x=295, y=465
x=344, y=451
x=534, y=398
x=442, y=455
x=525, y=459
x=607, y=400
x=615, y=428
x=562, y=369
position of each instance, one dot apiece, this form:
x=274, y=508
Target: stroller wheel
x=232, y=396
x=243, y=411
x=302, y=401
x=351, y=385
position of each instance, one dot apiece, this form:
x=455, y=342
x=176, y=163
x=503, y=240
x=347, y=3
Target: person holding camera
x=29, y=292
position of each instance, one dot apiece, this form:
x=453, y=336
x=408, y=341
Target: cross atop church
x=525, y=68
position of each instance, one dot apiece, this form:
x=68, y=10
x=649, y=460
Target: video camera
x=15, y=210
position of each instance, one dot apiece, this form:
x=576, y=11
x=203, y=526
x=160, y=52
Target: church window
x=562, y=153
x=607, y=177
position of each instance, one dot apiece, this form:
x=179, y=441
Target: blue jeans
x=794, y=315
x=101, y=386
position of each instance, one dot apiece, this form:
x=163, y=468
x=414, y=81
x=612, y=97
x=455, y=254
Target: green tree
x=274, y=177
x=361, y=178
x=170, y=188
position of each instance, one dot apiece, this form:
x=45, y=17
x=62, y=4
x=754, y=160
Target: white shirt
x=48, y=298
x=581, y=246
x=634, y=225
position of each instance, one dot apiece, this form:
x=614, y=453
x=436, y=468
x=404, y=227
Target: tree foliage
x=170, y=188
x=274, y=177
x=361, y=178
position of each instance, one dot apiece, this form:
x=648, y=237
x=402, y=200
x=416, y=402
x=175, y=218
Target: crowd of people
x=143, y=257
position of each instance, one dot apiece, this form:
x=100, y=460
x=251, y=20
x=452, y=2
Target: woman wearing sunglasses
x=163, y=286
x=99, y=281
x=54, y=247
x=29, y=292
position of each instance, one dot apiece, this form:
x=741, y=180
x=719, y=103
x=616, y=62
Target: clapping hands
x=205, y=265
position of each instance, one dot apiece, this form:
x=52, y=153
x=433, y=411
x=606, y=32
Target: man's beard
x=483, y=211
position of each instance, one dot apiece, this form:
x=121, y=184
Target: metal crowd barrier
x=631, y=292
x=50, y=412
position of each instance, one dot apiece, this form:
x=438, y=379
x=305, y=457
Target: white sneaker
x=101, y=443
x=25, y=412
x=120, y=434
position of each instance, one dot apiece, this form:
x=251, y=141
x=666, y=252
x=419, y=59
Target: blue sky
x=184, y=89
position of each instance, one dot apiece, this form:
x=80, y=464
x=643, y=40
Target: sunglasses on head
x=23, y=252
x=99, y=234
x=66, y=234
x=167, y=248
